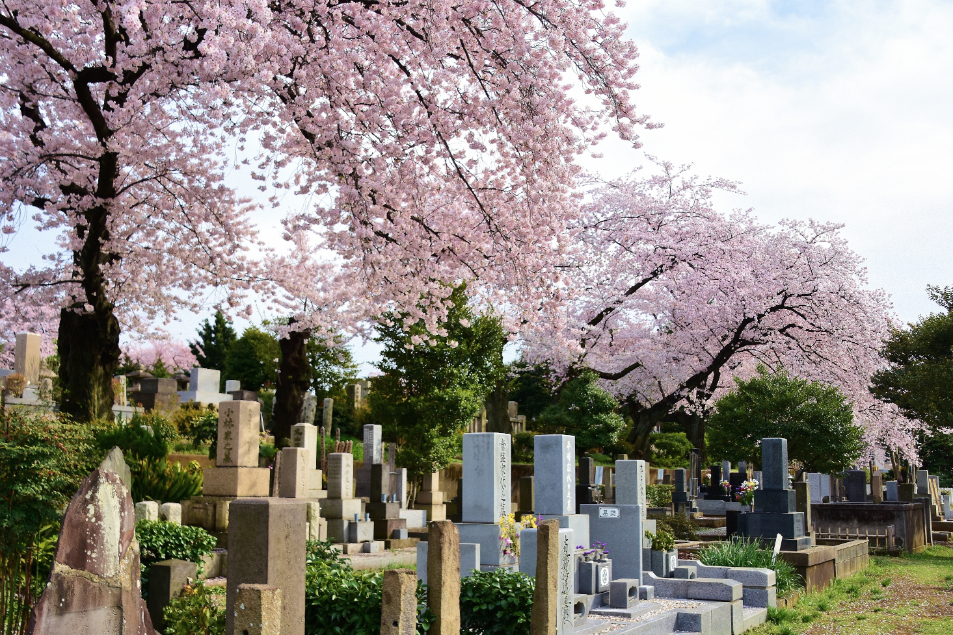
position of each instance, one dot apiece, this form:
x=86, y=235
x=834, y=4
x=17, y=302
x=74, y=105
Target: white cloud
x=835, y=111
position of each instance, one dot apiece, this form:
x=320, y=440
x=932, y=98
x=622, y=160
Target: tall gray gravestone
x=630, y=482
x=486, y=494
x=554, y=468
x=775, y=506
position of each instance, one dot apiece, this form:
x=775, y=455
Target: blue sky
x=837, y=111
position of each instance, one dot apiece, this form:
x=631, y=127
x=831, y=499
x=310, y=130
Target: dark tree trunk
x=88, y=337
x=645, y=421
x=294, y=378
x=497, y=413
x=88, y=347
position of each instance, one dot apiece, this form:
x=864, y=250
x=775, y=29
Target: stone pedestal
x=620, y=527
x=266, y=546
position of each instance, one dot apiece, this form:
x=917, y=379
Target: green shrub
x=679, y=525
x=199, y=610
x=523, y=447
x=161, y=541
x=43, y=460
x=659, y=495
x=661, y=540
x=669, y=449
x=496, y=603
x=341, y=601
x=164, y=482
x=741, y=552
x=135, y=441
x=205, y=430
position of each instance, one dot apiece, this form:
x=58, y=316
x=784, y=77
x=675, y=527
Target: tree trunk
x=497, y=414
x=88, y=337
x=645, y=421
x=294, y=378
x=88, y=347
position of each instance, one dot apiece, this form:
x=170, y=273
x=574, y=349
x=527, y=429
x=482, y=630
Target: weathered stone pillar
x=399, y=603
x=546, y=595
x=257, y=610
x=266, y=546
x=443, y=577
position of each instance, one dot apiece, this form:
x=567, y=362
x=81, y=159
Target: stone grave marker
x=557, y=495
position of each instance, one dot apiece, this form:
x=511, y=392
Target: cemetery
x=393, y=318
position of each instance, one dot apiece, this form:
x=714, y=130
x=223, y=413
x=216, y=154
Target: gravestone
x=204, y=387
x=554, y=458
x=527, y=496
x=327, y=414
x=585, y=491
x=630, y=490
x=857, y=486
x=545, y=611
x=295, y=472
x=266, y=545
x=236, y=472
x=231, y=385
x=820, y=487
x=304, y=435
x=802, y=495
x=443, y=577
x=94, y=584
x=309, y=407
x=486, y=494
x=257, y=610
x=430, y=499
x=384, y=509
x=354, y=395
x=340, y=507
x=725, y=469
x=893, y=492
x=775, y=506
x=714, y=490
x=682, y=499
x=620, y=527
x=166, y=580
x=923, y=482
x=27, y=356
x=877, y=487
x=157, y=394
x=373, y=455
x=399, y=603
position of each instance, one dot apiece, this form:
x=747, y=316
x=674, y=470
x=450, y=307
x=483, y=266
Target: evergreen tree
x=215, y=339
x=253, y=359
x=815, y=418
x=433, y=385
x=585, y=410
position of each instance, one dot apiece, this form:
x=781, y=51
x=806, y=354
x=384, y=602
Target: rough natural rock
x=94, y=586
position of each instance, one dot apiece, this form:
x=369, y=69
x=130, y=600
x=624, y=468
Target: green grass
x=911, y=594
x=750, y=553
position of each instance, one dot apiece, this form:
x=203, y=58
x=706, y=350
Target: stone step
x=754, y=616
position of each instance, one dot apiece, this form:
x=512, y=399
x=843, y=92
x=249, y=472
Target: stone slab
x=486, y=477
x=620, y=527
x=236, y=481
x=238, y=426
x=554, y=466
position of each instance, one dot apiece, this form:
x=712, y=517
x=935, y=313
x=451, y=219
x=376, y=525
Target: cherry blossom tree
x=173, y=354
x=436, y=140
x=669, y=298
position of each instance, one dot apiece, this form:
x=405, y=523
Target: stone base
x=208, y=512
x=579, y=523
x=382, y=510
x=416, y=518
x=775, y=501
x=403, y=543
x=318, y=529
x=338, y=508
x=237, y=482
x=486, y=535
x=204, y=398
x=768, y=525
x=430, y=498
x=384, y=527
x=434, y=512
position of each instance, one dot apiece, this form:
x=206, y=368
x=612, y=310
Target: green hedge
x=160, y=541
x=199, y=610
x=496, y=603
